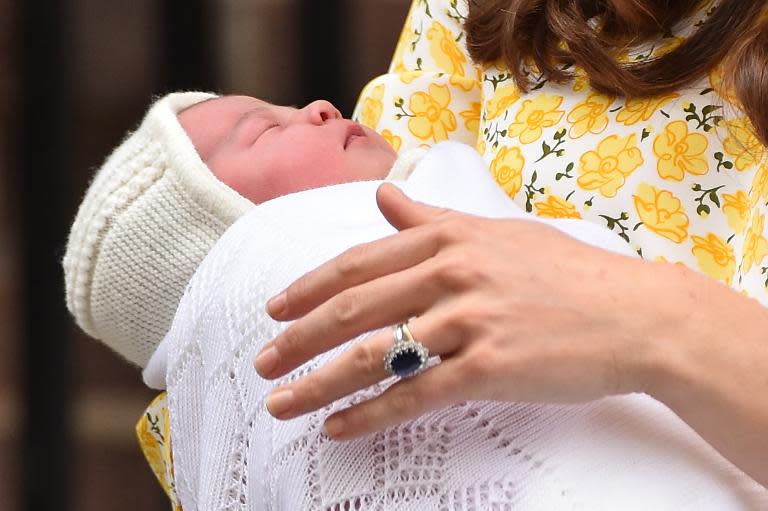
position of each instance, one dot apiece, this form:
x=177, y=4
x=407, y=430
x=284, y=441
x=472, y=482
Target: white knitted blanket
x=621, y=453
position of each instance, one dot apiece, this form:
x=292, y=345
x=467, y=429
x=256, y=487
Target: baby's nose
x=320, y=111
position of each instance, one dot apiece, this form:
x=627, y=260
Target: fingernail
x=333, y=427
x=276, y=305
x=266, y=362
x=280, y=402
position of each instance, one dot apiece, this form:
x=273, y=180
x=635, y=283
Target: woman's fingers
x=359, y=367
x=401, y=211
x=376, y=304
x=359, y=264
x=437, y=387
x=415, y=243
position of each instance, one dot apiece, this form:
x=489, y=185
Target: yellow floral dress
x=681, y=177
x=153, y=430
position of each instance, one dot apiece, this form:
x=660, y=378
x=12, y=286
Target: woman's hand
x=517, y=311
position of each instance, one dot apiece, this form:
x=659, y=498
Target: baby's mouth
x=354, y=131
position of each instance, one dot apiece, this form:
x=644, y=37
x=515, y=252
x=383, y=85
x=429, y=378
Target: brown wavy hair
x=558, y=35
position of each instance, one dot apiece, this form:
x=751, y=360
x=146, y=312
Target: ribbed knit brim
x=149, y=217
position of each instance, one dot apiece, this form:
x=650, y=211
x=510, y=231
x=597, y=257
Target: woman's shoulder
x=432, y=90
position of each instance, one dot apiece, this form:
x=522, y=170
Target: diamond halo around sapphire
x=407, y=357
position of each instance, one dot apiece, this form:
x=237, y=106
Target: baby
x=195, y=165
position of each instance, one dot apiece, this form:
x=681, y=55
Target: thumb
x=401, y=211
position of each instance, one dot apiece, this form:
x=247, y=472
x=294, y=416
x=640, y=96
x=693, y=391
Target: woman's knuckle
x=457, y=321
x=448, y=231
x=350, y=262
x=346, y=309
x=457, y=270
x=448, y=217
x=476, y=318
x=291, y=341
x=364, y=360
x=298, y=291
x=464, y=227
x=312, y=390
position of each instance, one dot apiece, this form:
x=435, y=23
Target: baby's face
x=264, y=151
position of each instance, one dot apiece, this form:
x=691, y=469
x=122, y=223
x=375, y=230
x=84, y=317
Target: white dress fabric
x=620, y=453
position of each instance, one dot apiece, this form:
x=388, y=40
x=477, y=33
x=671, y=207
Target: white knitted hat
x=148, y=219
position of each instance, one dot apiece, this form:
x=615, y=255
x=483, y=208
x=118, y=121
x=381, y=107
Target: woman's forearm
x=712, y=368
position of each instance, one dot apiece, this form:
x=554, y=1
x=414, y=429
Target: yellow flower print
x=625, y=57
x=555, y=207
x=152, y=449
x=472, y=117
x=481, y=147
x=534, y=116
x=580, y=80
x=737, y=209
x=447, y=54
x=607, y=168
x=715, y=257
x=759, y=186
x=636, y=110
x=408, y=77
x=662, y=259
x=679, y=151
x=661, y=212
x=166, y=447
x=669, y=44
x=742, y=144
x=373, y=107
x=400, y=69
x=755, y=244
x=504, y=97
x=395, y=141
x=507, y=169
x=590, y=115
x=464, y=83
x=432, y=119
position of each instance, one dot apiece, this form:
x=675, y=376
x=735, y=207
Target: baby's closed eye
x=250, y=132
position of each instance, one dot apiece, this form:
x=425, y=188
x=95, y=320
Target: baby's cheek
x=323, y=170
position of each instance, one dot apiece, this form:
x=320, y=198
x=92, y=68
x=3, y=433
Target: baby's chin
x=382, y=142
x=387, y=162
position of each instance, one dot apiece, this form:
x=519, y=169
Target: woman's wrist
x=701, y=329
x=657, y=313
x=706, y=360
x=675, y=309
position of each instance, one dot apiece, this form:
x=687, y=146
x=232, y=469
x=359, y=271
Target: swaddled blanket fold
x=626, y=452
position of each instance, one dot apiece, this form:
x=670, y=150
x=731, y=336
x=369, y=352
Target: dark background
x=74, y=77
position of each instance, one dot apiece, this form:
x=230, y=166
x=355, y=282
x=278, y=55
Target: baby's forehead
x=224, y=107
x=209, y=122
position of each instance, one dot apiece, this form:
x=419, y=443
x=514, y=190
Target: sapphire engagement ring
x=407, y=357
